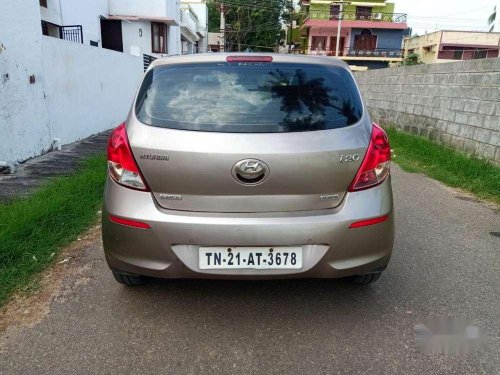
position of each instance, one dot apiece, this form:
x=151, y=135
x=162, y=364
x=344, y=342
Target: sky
x=431, y=15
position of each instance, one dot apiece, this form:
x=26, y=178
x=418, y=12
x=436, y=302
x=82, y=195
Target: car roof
x=221, y=57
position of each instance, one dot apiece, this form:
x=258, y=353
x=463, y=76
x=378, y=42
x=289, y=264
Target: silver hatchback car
x=251, y=167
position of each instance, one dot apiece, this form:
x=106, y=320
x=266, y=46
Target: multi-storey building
x=151, y=28
x=371, y=34
x=447, y=45
x=76, y=21
x=197, y=11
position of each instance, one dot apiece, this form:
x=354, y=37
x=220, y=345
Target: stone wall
x=457, y=103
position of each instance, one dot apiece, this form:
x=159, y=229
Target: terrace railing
x=358, y=16
x=352, y=52
x=73, y=33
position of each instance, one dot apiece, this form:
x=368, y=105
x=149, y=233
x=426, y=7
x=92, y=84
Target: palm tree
x=492, y=19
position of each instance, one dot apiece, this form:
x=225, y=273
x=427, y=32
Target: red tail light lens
x=121, y=163
x=376, y=164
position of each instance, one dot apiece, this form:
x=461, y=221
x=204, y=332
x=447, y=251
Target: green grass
x=418, y=154
x=34, y=228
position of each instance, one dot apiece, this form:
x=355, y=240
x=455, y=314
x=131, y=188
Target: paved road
x=446, y=263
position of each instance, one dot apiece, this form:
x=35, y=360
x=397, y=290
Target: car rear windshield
x=249, y=97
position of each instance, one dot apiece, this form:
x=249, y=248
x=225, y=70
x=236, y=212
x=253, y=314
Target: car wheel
x=129, y=280
x=365, y=279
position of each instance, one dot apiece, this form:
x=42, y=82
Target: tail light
x=121, y=163
x=376, y=164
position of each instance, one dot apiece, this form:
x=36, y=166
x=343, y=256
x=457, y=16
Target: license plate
x=261, y=258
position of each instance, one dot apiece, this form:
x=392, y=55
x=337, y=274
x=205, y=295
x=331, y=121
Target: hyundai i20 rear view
x=245, y=166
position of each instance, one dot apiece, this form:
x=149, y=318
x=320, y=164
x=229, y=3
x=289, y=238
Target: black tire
x=365, y=279
x=128, y=280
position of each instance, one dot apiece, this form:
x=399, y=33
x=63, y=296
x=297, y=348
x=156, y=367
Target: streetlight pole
x=339, y=27
x=290, y=28
x=223, y=27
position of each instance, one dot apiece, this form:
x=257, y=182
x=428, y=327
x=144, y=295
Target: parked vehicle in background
x=247, y=166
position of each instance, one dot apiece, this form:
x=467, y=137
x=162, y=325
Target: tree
x=412, y=59
x=255, y=24
x=492, y=19
x=213, y=17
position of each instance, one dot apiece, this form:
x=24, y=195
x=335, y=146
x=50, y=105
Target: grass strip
x=418, y=154
x=34, y=229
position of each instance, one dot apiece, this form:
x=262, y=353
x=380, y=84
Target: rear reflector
x=128, y=222
x=249, y=59
x=365, y=223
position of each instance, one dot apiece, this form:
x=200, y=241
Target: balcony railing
x=384, y=53
x=72, y=33
x=358, y=16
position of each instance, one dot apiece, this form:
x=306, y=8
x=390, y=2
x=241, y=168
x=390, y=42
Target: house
x=189, y=25
x=371, y=34
x=143, y=27
x=447, y=45
x=194, y=20
x=73, y=20
x=215, y=42
x=151, y=29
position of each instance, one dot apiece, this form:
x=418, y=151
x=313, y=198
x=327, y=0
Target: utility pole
x=223, y=27
x=290, y=28
x=339, y=27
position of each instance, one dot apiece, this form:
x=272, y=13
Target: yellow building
x=446, y=46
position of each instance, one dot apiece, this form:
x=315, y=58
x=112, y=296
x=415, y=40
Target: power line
x=254, y=5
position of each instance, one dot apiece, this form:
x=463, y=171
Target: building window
x=43, y=3
x=480, y=54
x=458, y=54
x=365, y=41
x=318, y=43
x=159, y=37
x=334, y=12
x=363, y=13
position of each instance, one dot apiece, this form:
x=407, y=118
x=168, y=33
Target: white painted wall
x=52, y=13
x=173, y=8
x=88, y=89
x=24, y=117
x=174, y=40
x=77, y=89
x=85, y=13
x=131, y=38
x=156, y=8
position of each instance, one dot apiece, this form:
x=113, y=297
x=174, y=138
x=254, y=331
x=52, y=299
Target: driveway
x=446, y=262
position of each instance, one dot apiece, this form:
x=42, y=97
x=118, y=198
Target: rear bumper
x=170, y=248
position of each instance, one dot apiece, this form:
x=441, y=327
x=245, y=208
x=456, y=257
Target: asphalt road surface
x=446, y=263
